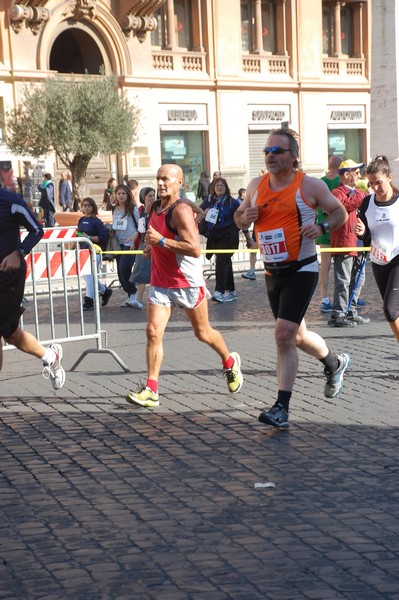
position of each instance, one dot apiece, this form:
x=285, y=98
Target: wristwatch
x=325, y=227
x=21, y=252
x=161, y=242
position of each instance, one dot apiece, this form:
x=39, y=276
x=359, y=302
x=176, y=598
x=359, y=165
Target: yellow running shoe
x=143, y=397
x=234, y=376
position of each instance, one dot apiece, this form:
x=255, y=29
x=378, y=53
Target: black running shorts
x=12, y=287
x=290, y=295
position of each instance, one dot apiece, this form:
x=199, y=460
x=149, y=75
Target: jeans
x=342, y=285
x=90, y=283
x=125, y=264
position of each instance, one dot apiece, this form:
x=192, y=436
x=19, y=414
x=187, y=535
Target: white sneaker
x=136, y=304
x=55, y=372
x=249, y=275
x=124, y=304
x=132, y=299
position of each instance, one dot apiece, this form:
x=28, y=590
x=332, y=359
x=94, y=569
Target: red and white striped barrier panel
x=60, y=264
x=54, y=233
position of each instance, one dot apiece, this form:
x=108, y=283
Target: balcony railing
x=270, y=65
x=189, y=62
x=344, y=67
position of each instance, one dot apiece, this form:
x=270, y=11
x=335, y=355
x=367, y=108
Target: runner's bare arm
x=245, y=213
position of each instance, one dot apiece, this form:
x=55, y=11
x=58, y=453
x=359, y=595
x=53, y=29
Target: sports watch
x=325, y=227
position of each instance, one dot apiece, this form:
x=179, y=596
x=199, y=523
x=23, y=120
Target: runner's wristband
x=325, y=227
x=161, y=242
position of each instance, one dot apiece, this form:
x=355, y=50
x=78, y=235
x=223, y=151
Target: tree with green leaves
x=76, y=118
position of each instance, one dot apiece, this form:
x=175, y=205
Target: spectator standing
x=332, y=180
x=141, y=273
x=222, y=235
x=91, y=227
x=109, y=195
x=125, y=226
x=203, y=186
x=14, y=214
x=65, y=191
x=47, y=202
x=345, y=237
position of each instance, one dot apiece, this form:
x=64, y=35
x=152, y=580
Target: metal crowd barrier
x=52, y=312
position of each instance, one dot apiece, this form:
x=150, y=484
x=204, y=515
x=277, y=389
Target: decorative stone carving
x=33, y=17
x=140, y=18
x=81, y=9
x=139, y=25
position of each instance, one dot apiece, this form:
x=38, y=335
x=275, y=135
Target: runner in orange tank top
x=282, y=205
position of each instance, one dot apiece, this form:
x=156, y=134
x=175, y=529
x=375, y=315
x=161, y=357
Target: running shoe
x=143, y=397
x=218, y=297
x=325, y=306
x=55, y=372
x=361, y=302
x=340, y=322
x=88, y=303
x=277, y=416
x=249, y=275
x=230, y=297
x=335, y=379
x=358, y=319
x=136, y=304
x=234, y=376
x=106, y=296
x=131, y=300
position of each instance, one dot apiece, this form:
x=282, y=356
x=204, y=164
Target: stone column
x=384, y=112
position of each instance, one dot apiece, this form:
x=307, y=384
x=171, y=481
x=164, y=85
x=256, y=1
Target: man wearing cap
x=345, y=237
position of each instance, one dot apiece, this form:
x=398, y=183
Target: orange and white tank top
x=281, y=214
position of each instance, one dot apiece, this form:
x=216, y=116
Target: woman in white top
x=378, y=226
x=125, y=225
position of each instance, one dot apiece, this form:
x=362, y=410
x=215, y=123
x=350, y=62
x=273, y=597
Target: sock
x=49, y=357
x=283, y=398
x=330, y=361
x=152, y=385
x=228, y=363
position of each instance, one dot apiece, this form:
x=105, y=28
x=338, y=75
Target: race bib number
x=120, y=224
x=212, y=215
x=141, y=225
x=272, y=245
x=378, y=252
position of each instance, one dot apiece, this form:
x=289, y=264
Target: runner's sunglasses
x=276, y=150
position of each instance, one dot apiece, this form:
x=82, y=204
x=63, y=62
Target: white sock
x=49, y=357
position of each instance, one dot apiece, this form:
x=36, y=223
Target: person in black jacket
x=47, y=202
x=15, y=213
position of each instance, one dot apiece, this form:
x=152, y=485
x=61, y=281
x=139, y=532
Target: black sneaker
x=106, y=296
x=276, y=416
x=88, y=304
x=358, y=319
x=340, y=322
x=335, y=379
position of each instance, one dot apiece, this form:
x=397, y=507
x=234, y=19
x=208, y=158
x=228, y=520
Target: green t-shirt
x=331, y=184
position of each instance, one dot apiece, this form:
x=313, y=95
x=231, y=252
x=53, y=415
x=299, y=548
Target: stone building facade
x=211, y=77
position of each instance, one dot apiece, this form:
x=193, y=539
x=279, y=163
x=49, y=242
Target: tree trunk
x=78, y=167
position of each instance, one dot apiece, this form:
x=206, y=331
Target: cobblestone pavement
x=99, y=500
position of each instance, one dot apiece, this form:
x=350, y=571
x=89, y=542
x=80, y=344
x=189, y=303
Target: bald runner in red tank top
x=171, y=270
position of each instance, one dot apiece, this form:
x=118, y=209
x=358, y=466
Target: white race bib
x=378, y=252
x=272, y=245
x=212, y=215
x=120, y=224
x=141, y=226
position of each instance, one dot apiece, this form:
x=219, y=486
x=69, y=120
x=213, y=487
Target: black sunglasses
x=276, y=150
